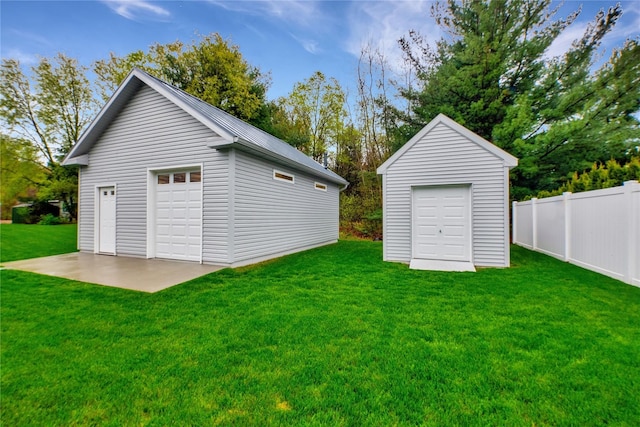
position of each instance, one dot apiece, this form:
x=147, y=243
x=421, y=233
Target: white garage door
x=178, y=215
x=442, y=223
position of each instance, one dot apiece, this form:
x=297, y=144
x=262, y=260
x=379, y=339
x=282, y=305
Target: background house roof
x=233, y=131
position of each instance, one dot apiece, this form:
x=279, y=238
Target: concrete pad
x=146, y=275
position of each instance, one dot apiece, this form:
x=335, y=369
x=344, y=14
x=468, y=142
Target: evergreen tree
x=491, y=75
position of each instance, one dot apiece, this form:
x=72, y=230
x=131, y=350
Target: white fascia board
x=508, y=159
x=161, y=88
x=81, y=160
x=243, y=145
x=382, y=169
x=85, y=137
x=89, y=136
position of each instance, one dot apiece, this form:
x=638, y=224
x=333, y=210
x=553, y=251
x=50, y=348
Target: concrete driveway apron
x=146, y=275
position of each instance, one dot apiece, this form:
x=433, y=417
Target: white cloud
x=20, y=56
x=132, y=9
x=309, y=45
x=381, y=24
x=626, y=27
x=300, y=15
x=563, y=42
x=298, y=12
x=630, y=19
x=33, y=38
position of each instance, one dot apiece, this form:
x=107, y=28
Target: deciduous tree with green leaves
x=318, y=106
x=21, y=173
x=211, y=69
x=49, y=108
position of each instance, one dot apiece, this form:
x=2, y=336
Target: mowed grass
x=332, y=336
x=23, y=241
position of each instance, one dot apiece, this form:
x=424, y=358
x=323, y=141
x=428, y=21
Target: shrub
x=20, y=215
x=49, y=219
x=609, y=174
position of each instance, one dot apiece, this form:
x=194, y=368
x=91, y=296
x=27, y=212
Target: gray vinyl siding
x=152, y=132
x=444, y=157
x=272, y=216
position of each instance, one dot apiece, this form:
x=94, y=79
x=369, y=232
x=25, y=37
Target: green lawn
x=331, y=336
x=23, y=241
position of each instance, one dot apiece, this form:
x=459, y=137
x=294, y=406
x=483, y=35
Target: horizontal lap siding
x=445, y=157
x=151, y=132
x=273, y=216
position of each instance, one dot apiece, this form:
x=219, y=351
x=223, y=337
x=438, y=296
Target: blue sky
x=289, y=39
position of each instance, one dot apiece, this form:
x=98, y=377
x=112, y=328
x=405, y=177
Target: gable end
x=509, y=160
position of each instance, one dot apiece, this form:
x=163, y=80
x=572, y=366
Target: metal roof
x=234, y=131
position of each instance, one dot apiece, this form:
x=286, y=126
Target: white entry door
x=178, y=213
x=442, y=223
x=107, y=220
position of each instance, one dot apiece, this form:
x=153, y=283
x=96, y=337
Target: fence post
x=514, y=222
x=633, y=253
x=534, y=227
x=567, y=225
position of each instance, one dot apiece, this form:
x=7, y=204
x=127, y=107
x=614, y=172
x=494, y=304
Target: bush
x=49, y=219
x=33, y=214
x=20, y=215
x=609, y=174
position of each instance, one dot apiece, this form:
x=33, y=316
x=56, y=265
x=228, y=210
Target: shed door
x=178, y=215
x=107, y=220
x=441, y=227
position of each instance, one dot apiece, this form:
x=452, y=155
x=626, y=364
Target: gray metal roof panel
x=249, y=133
x=213, y=117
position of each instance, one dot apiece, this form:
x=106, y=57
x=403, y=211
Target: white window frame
x=277, y=178
x=320, y=186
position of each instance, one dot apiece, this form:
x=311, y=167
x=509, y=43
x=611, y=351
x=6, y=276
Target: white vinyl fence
x=598, y=230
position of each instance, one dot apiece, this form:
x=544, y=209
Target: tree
x=492, y=76
x=50, y=109
x=211, y=69
x=317, y=105
x=20, y=173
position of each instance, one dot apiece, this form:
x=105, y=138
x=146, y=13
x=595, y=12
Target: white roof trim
x=146, y=79
x=509, y=160
x=225, y=137
x=160, y=87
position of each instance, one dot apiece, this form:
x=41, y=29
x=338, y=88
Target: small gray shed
x=446, y=200
x=165, y=175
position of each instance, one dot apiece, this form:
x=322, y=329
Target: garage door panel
x=427, y=230
x=455, y=212
x=442, y=226
x=454, y=250
x=427, y=212
x=454, y=231
x=427, y=250
x=178, y=218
